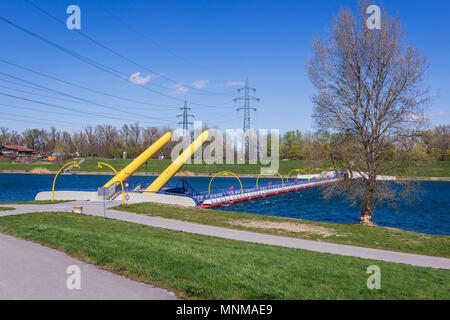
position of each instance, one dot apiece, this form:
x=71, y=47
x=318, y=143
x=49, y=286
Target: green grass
x=39, y=202
x=352, y=234
x=433, y=169
x=196, y=266
x=6, y=208
x=5, y=165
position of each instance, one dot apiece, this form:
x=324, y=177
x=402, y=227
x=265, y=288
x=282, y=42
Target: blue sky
x=212, y=45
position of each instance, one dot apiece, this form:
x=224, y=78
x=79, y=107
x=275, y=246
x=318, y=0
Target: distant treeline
x=110, y=142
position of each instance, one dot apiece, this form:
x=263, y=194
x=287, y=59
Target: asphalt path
x=29, y=271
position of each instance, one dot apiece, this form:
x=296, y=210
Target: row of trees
x=423, y=145
x=102, y=140
x=110, y=142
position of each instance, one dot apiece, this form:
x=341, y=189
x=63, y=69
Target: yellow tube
x=125, y=173
x=161, y=181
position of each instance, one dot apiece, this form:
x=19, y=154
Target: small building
x=15, y=151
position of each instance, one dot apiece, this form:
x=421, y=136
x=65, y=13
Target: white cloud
x=416, y=117
x=231, y=84
x=430, y=116
x=178, y=88
x=439, y=115
x=137, y=79
x=200, y=84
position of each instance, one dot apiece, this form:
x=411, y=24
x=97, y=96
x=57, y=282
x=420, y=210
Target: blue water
x=24, y=187
x=428, y=213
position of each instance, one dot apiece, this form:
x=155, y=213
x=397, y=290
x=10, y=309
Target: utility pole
x=246, y=94
x=186, y=115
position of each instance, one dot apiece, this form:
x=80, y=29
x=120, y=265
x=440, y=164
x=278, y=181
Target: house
x=15, y=151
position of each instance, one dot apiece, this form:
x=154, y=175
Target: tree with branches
x=369, y=88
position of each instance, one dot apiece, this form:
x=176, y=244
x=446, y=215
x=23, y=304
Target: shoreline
x=200, y=175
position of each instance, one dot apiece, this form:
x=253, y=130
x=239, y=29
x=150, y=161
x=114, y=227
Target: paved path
x=31, y=271
x=69, y=168
x=96, y=209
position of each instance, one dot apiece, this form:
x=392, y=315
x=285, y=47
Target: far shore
x=190, y=174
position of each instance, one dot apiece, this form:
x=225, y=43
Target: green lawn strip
x=6, y=165
x=196, y=266
x=351, y=234
x=6, y=208
x=38, y=202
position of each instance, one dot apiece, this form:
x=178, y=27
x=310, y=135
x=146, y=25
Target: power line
x=38, y=110
x=144, y=36
x=83, y=87
x=34, y=121
x=96, y=64
x=40, y=119
x=65, y=108
x=83, y=99
x=111, y=50
x=37, y=94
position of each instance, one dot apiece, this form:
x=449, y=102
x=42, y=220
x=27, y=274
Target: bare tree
x=442, y=140
x=370, y=85
x=4, y=136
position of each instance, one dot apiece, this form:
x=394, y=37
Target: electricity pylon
x=246, y=94
x=186, y=115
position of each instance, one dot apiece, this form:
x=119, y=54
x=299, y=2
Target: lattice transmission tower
x=186, y=114
x=247, y=95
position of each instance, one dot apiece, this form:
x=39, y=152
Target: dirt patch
x=287, y=226
x=186, y=173
x=40, y=171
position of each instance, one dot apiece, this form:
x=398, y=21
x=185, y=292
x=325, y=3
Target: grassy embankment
x=433, y=169
x=6, y=208
x=196, y=266
x=7, y=166
x=351, y=234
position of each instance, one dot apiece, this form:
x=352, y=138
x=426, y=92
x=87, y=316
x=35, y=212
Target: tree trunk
x=367, y=206
x=368, y=201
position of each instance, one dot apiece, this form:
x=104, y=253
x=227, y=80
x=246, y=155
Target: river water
x=428, y=212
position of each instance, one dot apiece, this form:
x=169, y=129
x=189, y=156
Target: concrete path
x=31, y=271
x=96, y=209
x=69, y=168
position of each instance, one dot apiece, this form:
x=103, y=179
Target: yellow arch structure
x=225, y=173
x=295, y=170
x=167, y=174
x=100, y=164
x=126, y=172
x=274, y=171
x=74, y=163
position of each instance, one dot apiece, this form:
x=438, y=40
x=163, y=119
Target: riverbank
x=205, y=267
x=183, y=174
x=351, y=234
